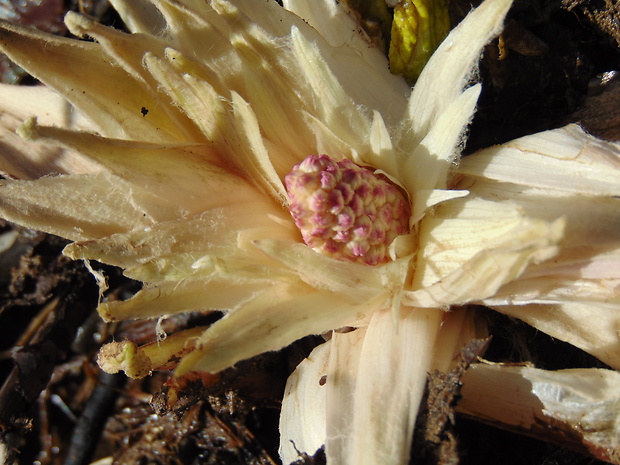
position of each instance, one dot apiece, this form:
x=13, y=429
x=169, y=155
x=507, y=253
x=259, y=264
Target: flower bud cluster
x=346, y=211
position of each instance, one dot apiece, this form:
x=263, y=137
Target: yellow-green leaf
x=418, y=28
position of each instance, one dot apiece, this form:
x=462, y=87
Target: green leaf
x=418, y=28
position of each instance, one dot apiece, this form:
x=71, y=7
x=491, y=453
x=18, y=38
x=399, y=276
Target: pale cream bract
x=169, y=162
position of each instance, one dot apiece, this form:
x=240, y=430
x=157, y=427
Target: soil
x=57, y=407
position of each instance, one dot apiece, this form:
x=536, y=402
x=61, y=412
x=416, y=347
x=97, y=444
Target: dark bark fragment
x=435, y=441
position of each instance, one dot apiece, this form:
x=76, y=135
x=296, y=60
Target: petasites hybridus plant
x=262, y=161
